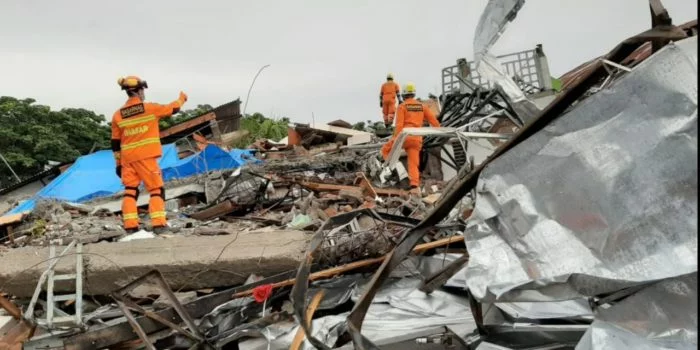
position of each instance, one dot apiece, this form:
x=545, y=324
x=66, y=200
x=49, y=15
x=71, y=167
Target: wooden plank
x=10, y=307
x=299, y=337
x=12, y=218
x=187, y=125
x=331, y=187
x=334, y=271
x=214, y=212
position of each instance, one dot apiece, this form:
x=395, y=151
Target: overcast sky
x=328, y=58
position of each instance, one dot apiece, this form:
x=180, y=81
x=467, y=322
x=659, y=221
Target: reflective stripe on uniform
x=143, y=142
x=157, y=214
x=133, y=216
x=134, y=121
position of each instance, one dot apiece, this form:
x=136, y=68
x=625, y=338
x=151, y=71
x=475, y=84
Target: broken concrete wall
x=186, y=262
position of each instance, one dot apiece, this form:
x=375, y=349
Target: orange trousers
x=412, y=145
x=389, y=110
x=148, y=171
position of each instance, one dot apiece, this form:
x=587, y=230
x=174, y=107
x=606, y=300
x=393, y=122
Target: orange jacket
x=135, y=133
x=389, y=91
x=412, y=114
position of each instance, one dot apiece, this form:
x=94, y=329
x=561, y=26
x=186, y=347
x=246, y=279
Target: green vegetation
x=184, y=116
x=260, y=127
x=370, y=126
x=32, y=134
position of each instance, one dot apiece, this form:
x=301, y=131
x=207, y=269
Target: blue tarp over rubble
x=93, y=175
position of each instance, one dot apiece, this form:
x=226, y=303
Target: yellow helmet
x=389, y=76
x=132, y=83
x=409, y=89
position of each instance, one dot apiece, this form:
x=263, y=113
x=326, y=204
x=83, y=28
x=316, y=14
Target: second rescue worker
x=387, y=99
x=411, y=114
x=136, y=147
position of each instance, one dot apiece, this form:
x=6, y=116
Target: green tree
x=185, y=115
x=261, y=127
x=33, y=134
x=359, y=126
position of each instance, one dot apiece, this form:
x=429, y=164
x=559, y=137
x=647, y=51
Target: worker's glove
x=119, y=171
x=183, y=96
x=380, y=104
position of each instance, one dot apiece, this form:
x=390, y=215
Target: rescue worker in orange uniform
x=136, y=147
x=388, y=95
x=411, y=114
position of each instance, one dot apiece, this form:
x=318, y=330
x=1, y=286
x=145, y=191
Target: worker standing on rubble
x=412, y=114
x=388, y=95
x=136, y=147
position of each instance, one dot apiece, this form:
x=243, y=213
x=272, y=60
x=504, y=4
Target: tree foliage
x=185, y=115
x=261, y=127
x=31, y=135
x=369, y=126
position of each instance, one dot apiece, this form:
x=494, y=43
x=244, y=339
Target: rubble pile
x=558, y=227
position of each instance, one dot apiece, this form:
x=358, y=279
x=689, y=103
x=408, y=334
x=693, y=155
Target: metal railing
x=528, y=68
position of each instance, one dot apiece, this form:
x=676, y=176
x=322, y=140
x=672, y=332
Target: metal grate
x=523, y=66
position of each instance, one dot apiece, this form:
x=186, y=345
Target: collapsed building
x=551, y=217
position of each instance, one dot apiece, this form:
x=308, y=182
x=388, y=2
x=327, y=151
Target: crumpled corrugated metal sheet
x=603, y=198
x=399, y=308
x=661, y=316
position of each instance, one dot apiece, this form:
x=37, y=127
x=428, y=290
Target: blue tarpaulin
x=93, y=175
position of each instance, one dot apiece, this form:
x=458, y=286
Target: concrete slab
x=186, y=262
x=115, y=205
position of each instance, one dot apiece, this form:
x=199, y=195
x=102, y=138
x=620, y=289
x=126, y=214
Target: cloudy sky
x=328, y=58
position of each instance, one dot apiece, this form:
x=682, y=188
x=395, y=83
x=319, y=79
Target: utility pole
x=251, y=87
x=8, y=165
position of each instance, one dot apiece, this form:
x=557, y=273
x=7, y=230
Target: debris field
x=546, y=219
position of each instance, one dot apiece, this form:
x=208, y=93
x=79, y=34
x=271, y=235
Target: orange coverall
x=136, y=147
x=388, y=94
x=411, y=114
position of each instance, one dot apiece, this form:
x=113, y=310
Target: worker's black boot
x=131, y=230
